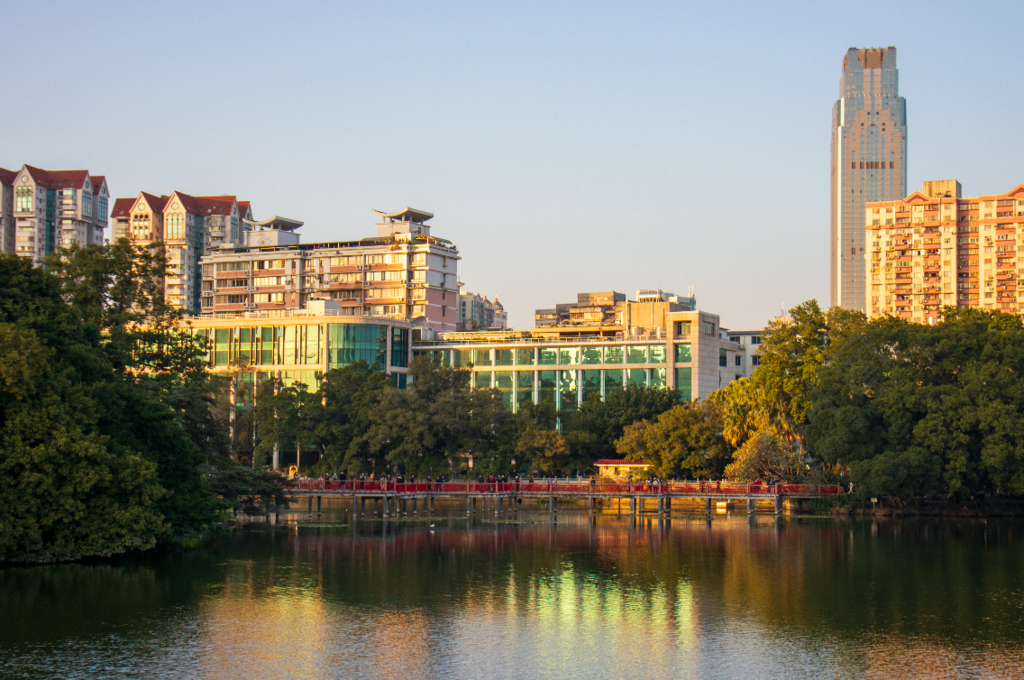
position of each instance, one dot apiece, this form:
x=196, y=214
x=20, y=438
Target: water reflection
x=594, y=599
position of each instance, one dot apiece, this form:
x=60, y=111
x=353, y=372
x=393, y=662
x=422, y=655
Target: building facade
x=476, y=312
x=402, y=273
x=7, y=178
x=748, y=357
x=869, y=162
x=693, y=355
x=57, y=208
x=184, y=228
x=300, y=346
x=610, y=314
x=934, y=249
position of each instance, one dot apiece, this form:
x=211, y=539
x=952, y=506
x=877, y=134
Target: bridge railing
x=565, y=487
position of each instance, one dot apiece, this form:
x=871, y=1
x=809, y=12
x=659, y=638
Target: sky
x=563, y=147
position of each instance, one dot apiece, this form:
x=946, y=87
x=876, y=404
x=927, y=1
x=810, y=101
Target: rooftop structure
x=610, y=314
x=403, y=273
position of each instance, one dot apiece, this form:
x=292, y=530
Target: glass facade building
x=301, y=348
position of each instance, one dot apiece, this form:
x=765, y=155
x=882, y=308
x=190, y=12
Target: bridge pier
x=751, y=506
x=661, y=506
x=778, y=504
x=707, y=505
x=551, y=504
x=310, y=507
x=319, y=499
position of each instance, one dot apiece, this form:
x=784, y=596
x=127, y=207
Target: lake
x=522, y=596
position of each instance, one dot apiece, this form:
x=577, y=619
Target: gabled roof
x=122, y=207
x=156, y=203
x=1017, y=190
x=97, y=183
x=916, y=196
x=68, y=179
x=7, y=176
x=39, y=176
x=245, y=209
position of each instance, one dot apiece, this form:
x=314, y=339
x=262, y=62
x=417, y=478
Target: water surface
x=524, y=597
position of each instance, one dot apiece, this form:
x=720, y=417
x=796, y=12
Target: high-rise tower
x=869, y=161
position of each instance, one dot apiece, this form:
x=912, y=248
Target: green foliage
x=684, y=441
x=919, y=409
x=765, y=456
x=593, y=430
x=251, y=491
x=350, y=395
x=105, y=408
x=426, y=429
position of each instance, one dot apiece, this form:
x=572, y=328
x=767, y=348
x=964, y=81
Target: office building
x=300, y=345
x=55, y=209
x=692, y=354
x=869, y=162
x=934, y=249
x=184, y=228
x=404, y=272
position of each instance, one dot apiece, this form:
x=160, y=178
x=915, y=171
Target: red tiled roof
x=244, y=208
x=156, y=203
x=71, y=179
x=216, y=205
x=97, y=183
x=122, y=207
x=7, y=176
x=621, y=463
x=39, y=176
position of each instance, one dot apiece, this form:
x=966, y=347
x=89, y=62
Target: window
x=23, y=200
x=175, y=228
x=683, y=328
x=707, y=328
x=755, y=360
x=400, y=347
x=755, y=339
x=723, y=357
x=346, y=261
x=275, y=298
x=261, y=281
x=739, y=359
x=683, y=354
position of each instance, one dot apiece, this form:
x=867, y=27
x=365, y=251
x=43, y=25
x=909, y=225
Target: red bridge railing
x=563, y=487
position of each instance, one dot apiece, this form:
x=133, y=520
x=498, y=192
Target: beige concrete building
x=476, y=312
x=404, y=272
x=934, y=249
x=610, y=314
x=692, y=354
x=184, y=228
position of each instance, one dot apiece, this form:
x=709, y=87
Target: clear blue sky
x=564, y=147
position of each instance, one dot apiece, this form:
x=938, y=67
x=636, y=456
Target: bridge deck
x=558, y=489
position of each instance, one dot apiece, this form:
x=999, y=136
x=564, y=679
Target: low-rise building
x=621, y=470
x=57, y=208
x=691, y=354
x=403, y=272
x=300, y=346
x=935, y=249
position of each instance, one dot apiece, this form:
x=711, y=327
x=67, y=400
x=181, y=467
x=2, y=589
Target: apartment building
x=403, y=272
x=184, y=228
x=7, y=178
x=869, y=161
x=934, y=249
x=55, y=209
x=748, y=356
x=692, y=354
x=476, y=312
x=610, y=314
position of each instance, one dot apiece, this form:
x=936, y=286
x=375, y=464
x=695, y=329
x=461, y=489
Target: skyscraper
x=869, y=161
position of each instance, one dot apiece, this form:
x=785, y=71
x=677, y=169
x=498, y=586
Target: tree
x=65, y=491
x=593, y=430
x=766, y=456
x=429, y=427
x=251, y=491
x=685, y=440
x=349, y=397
